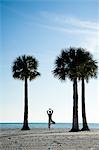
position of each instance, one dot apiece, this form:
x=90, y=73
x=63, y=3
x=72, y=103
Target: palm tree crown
x=25, y=67
x=66, y=65
x=88, y=67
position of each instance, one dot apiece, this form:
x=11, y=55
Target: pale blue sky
x=42, y=28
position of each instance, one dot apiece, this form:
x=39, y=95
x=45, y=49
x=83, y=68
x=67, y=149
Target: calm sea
x=44, y=125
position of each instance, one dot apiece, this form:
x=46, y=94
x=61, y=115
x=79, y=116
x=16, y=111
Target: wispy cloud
x=59, y=22
x=69, y=24
x=69, y=30
x=83, y=24
x=87, y=30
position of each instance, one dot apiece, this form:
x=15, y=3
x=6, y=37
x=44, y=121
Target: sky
x=42, y=28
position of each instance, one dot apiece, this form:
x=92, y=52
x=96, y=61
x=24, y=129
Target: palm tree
x=66, y=66
x=88, y=69
x=24, y=68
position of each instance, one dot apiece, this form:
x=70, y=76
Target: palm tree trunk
x=25, y=124
x=75, y=125
x=85, y=126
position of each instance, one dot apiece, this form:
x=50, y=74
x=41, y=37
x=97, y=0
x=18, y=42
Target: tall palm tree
x=88, y=69
x=66, y=66
x=24, y=68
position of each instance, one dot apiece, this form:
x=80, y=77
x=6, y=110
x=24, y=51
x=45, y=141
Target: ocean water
x=45, y=125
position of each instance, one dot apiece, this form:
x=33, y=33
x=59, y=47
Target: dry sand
x=44, y=139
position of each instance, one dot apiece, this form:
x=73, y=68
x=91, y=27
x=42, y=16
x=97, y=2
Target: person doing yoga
x=50, y=121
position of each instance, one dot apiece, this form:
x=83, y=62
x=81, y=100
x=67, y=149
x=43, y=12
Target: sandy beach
x=45, y=139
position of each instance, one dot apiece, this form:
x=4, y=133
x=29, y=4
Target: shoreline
x=45, y=139
x=42, y=125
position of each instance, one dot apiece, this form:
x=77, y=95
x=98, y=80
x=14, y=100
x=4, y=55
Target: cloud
x=63, y=21
x=83, y=24
x=59, y=22
x=87, y=30
x=69, y=30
